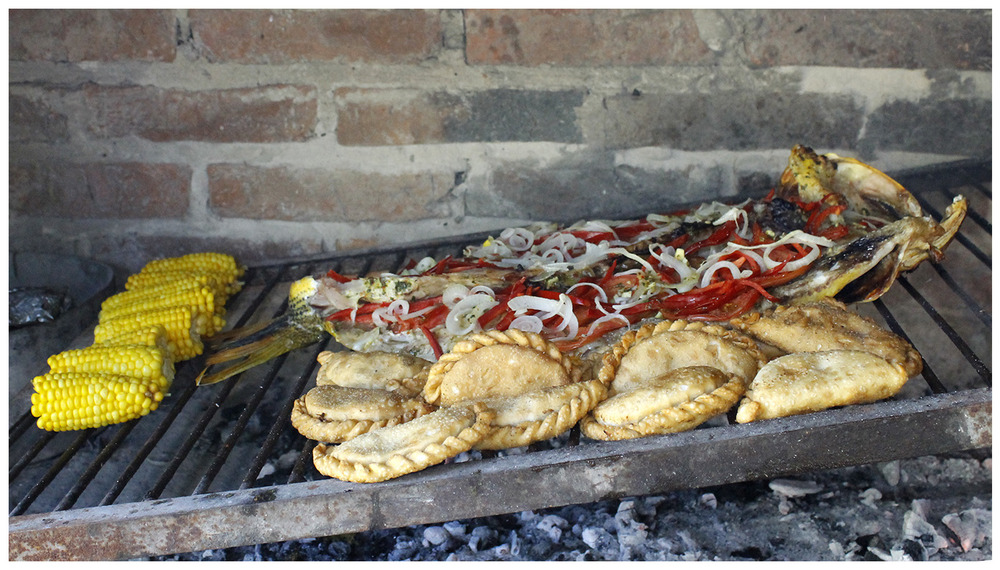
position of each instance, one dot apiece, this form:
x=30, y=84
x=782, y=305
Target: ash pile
x=931, y=508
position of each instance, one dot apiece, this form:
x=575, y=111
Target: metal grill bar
x=241, y=422
x=62, y=473
x=95, y=466
x=147, y=447
x=928, y=374
x=270, y=442
x=953, y=336
x=53, y=471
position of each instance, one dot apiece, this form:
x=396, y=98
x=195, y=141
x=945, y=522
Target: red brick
x=92, y=35
x=584, y=37
x=910, y=39
x=274, y=113
x=393, y=117
x=283, y=36
x=293, y=194
x=412, y=120
x=121, y=190
x=33, y=120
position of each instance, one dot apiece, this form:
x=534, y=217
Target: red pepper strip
x=720, y=235
x=731, y=309
x=337, y=277
x=628, y=233
x=760, y=289
x=494, y=313
x=602, y=329
x=817, y=218
x=435, y=345
x=835, y=233
x=594, y=237
x=363, y=313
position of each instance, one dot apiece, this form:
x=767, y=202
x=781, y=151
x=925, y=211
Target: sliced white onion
x=526, y=303
x=518, y=239
x=453, y=294
x=706, y=277
x=600, y=292
x=462, y=317
x=527, y=323
x=604, y=319
x=805, y=259
x=634, y=257
x=482, y=289
x=667, y=257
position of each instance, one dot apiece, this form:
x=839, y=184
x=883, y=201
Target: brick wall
x=274, y=134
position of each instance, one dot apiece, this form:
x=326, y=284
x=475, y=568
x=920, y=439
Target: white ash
x=930, y=508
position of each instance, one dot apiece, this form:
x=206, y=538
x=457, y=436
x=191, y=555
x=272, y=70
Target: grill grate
x=221, y=465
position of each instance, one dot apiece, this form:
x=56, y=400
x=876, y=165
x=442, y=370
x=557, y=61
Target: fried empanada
x=654, y=350
x=828, y=325
x=497, y=364
x=540, y=415
x=383, y=370
x=334, y=414
x=812, y=381
x=679, y=400
x=394, y=451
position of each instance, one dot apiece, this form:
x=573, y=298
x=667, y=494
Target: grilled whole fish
x=833, y=228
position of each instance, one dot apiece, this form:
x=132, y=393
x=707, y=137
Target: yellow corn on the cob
x=199, y=298
x=123, y=360
x=80, y=400
x=178, y=322
x=154, y=335
x=222, y=283
x=221, y=263
x=168, y=289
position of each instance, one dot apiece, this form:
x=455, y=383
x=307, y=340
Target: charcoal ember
x=602, y=542
x=31, y=305
x=972, y=527
x=482, y=538
x=553, y=527
x=436, y=535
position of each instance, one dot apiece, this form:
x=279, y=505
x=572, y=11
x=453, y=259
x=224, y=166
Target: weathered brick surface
x=590, y=185
x=121, y=190
x=583, y=38
x=284, y=193
x=33, y=120
x=869, y=38
x=274, y=113
x=952, y=126
x=283, y=36
x=487, y=116
x=92, y=35
x=727, y=120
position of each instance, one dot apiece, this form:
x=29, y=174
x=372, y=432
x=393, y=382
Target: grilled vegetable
x=833, y=227
x=219, y=281
x=80, y=400
x=153, y=335
x=179, y=323
x=199, y=299
x=123, y=360
x=220, y=263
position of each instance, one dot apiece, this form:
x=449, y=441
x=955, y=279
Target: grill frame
x=196, y=496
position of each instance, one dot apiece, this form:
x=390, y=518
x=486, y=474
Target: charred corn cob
x=200, y=299
x=219, y=281
x=181, y=285
x=178, y=322
x=122, y=360
x=220, y=263
x=80, y=400
x=154, y=335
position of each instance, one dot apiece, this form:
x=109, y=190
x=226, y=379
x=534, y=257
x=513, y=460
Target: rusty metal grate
x=220, y=465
